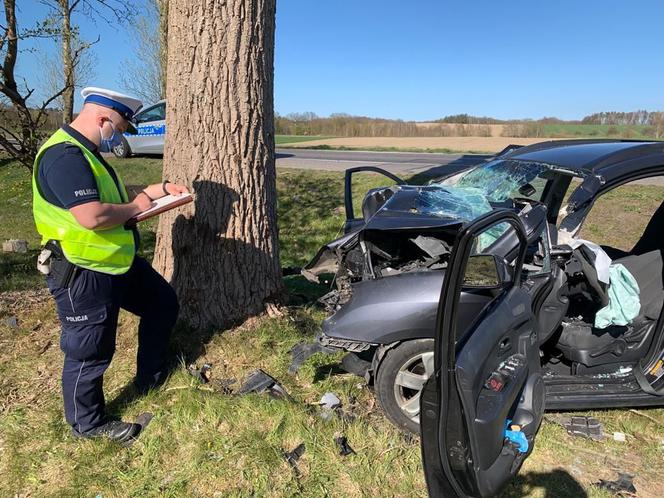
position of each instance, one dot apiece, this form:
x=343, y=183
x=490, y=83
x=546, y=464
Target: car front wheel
x=400, y=379
x=122, y=149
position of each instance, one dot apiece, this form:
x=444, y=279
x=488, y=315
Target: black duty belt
x=63, y=272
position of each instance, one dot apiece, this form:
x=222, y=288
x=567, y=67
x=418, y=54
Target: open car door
x=352, y=221
x=481, y=411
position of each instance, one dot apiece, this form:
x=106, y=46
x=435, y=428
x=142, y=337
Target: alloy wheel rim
x=409, y=382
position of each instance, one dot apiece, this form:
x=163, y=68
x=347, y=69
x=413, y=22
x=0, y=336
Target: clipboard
x=162, y=205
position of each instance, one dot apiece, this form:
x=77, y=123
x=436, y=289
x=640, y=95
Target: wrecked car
x=589, y=334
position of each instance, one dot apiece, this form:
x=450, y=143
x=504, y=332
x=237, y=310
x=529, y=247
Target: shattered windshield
x=459, y=203
x=472, y=193
x=504, y=179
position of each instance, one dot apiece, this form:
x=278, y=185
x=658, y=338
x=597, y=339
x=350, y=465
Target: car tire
x=399, y=379
x=122, y=149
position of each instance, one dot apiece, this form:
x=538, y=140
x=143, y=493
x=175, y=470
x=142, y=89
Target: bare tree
x=221, y=254
x=21, y=126
x=144, y=72
x=72, y=46
x=53, y=76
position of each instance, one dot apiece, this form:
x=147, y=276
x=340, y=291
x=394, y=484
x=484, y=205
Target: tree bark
x=221, y=252
x=67, y=64
x=163, y=42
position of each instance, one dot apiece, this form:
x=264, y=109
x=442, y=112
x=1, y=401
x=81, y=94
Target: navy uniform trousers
x=88, y=311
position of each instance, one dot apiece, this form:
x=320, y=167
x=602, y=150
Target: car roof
x=587, y=156
x=146, y=107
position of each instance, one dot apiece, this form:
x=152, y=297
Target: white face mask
x=108, y=144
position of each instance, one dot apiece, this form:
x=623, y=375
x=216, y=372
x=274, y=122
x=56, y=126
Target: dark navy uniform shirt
x=64, y=176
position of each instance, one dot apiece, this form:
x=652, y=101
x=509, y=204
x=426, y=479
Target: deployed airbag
x=624, y=303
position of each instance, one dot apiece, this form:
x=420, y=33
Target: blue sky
x=424, y=59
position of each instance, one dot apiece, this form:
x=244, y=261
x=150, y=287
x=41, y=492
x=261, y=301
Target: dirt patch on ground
x=14, y=302
x=474, y=144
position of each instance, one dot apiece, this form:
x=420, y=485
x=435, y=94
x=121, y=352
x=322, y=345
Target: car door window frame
x=595, y=188
x=348, y=186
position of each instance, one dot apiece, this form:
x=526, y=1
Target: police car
x=151, y=126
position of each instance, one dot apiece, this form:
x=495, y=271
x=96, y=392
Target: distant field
x=470, y=138
x=423, y=144
x=595, y=131
x=287, y=139
x=449, y=137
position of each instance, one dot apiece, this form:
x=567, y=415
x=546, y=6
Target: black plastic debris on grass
x=303, y=351
x=202, y=374
x=344, y=447
x=261, y=382
x=580, y=426
x=204, y=377
x=588, y=427
x=224, y=385
x=293, y=456
x=623, y=486
x=355, y=365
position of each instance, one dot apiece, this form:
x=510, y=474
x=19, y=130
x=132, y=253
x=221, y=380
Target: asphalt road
x=399, y=163
x=404, y=163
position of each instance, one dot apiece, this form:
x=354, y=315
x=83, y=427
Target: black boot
x=115, y=430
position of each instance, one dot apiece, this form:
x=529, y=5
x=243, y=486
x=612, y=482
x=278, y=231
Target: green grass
x=288, y=139
x=595, y=131
x=621, y=228
x=204, y=443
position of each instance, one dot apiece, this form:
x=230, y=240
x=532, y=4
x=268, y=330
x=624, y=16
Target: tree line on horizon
x=610, y=124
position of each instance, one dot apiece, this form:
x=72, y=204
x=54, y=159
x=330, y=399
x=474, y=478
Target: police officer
x=80, y=207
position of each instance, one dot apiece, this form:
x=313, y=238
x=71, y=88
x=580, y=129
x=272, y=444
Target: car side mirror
x=486, y=271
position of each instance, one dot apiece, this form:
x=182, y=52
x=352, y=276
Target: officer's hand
x=142, y=202
x=175, y=189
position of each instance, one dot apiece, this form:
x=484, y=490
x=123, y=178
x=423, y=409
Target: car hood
x=410, y=208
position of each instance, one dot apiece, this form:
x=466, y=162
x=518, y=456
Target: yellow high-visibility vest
x=110, y=250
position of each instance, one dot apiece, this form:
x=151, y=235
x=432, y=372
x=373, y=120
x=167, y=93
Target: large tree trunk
x=67, y=64
x=221, y=253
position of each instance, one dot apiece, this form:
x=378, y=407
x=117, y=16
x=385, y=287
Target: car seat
x=580, y=342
